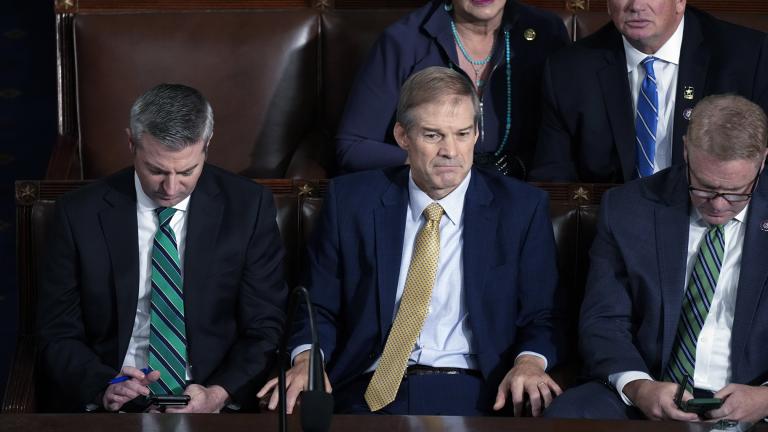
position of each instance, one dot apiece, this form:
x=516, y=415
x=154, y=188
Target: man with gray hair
x=675, y=304
x=165, y=278
x=434, y=284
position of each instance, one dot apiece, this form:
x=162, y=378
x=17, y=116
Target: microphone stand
x=317, y=405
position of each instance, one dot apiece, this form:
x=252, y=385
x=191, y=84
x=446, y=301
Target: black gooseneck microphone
x=316, y=404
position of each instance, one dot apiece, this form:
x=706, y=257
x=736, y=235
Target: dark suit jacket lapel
x=120, y=229
x=206, y=208
x=480, y=222
x=692, y=74
x=618, y=103
x=753, y=274
x=389, y=226
x=672, y=224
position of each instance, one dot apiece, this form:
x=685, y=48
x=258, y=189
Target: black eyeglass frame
x=732, y=198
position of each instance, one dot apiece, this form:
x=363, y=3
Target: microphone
x=316, y=404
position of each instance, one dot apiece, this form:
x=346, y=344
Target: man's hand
x=657, y=400
x=295, y=383
x=118, y=394
x=202, y=400
x=527, y=377
x=742, y=403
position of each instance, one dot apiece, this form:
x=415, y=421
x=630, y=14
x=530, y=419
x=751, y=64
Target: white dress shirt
x=665, y=68
x=446, y=337
x=712, y=370
x=138, y=347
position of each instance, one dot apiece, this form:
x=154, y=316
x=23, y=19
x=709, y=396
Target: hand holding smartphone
x=142, y=403
x=696, y=405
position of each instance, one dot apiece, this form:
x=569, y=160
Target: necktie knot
x=647, y=63
x=433, y=212
x=164, y=214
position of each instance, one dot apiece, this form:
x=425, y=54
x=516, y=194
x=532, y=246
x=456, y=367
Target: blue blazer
x=510, y=271
x=636, y=281
x=588, y=129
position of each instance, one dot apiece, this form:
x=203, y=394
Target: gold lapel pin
x=529, y=34
x=688, y=93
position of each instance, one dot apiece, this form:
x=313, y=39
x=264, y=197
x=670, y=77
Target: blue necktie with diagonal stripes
x=646, y=120
x=696, y=303
x=167, y=332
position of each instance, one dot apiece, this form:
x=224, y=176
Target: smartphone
x=700, y=405
x=697, y=405
x=142, y=403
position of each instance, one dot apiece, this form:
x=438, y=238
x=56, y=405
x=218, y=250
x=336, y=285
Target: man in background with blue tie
x=164, y=278
x=434, y=284
x=617, y=103
x=677, y=292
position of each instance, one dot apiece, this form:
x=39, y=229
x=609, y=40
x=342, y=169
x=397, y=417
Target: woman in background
x=500, y=45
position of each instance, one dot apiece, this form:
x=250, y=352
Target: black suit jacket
x=588, y=131
x=234, y=292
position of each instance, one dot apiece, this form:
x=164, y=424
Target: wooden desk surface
x=341, y=423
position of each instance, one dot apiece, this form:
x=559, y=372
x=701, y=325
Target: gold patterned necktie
x=411, y=314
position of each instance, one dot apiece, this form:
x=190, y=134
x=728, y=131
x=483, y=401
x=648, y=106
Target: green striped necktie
x=167, y=333
x=696, y=304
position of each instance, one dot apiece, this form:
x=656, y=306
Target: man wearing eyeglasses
x=677, y=293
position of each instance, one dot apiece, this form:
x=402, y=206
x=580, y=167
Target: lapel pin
x=764, y=225
x=529, y=34
x=688, y=93
x=687, y=113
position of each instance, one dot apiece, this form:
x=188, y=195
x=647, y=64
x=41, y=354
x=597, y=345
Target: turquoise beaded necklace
x=508, y=123
x=479, y=83
x=464, y=50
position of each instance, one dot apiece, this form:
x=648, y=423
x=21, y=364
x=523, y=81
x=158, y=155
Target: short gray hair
x=430, y=85
x=176, y=115
x=728, y=127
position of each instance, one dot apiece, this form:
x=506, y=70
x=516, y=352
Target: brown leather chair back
x=257, y=68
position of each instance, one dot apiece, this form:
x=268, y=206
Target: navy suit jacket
x=234, y=294
x=637, y=279
x=588, y=130
x=510, y=271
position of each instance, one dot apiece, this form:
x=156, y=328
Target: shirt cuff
x=304, y=347
x=535, y=354
x=620, y=379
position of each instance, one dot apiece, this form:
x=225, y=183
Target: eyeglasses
x=732, y=198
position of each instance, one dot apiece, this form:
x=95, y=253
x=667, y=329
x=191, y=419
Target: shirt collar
x=669, y=52
x=145, y=203
x=453, y=203
x=697, y=219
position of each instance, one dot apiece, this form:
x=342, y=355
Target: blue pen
x=123, y=378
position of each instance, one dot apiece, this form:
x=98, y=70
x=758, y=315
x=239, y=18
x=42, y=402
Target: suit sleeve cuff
x=621, y=379
x=535, y=354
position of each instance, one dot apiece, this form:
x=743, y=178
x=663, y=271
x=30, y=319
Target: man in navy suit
x=209, y=315
x=594, y=89
x=489, y=332
x=677, y=287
